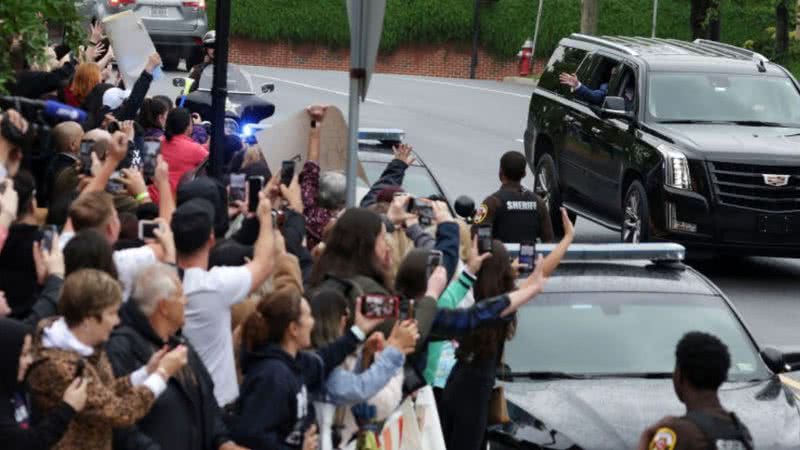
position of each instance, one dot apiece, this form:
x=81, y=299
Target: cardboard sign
x=289, y=140
x=131, y=43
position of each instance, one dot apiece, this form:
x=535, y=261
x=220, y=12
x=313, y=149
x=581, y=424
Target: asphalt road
x=460, y=128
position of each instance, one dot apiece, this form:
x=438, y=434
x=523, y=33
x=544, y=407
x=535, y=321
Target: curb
x=524, y=81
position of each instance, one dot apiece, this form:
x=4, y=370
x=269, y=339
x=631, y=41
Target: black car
x=694, y=142
x=243, y=106
x=590, y=364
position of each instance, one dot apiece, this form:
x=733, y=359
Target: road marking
x=309, y=86
x=447, y=83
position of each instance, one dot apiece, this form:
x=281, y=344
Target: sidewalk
x=523, y=81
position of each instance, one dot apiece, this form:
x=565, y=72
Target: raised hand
x=404, y=336
x=405, y=153
x=569, y=79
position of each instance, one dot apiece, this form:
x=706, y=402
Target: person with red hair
x=87, y=76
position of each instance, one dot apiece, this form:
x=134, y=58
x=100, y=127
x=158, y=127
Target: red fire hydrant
x=525, y=57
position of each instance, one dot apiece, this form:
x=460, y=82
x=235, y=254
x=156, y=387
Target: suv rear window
x=564, y=59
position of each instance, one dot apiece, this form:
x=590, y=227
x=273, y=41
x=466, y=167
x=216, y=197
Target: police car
x=590, y=365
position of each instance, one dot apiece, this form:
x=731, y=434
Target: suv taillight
x=201, y=4
x=115, y=3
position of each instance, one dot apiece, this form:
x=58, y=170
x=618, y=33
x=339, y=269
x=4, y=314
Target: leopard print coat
x=111, y=402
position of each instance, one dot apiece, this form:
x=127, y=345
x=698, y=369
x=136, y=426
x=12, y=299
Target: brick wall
x=445, y=60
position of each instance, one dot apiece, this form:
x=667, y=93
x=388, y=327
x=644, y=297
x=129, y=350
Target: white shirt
x=208, y=322
x=129, y=262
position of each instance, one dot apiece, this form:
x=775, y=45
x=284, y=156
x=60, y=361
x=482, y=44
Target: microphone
x=61, y=111
x=52, y=109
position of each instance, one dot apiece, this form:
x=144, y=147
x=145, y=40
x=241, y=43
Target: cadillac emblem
x=776, y=180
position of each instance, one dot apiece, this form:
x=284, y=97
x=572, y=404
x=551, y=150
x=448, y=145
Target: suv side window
x=563, y=59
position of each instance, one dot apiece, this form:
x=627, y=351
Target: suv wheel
x=171, y=59
x=546, y=186
x=195, y=58
x=635, y=215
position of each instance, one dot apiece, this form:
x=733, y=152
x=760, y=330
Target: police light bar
x=381, y=134
x=652, y=251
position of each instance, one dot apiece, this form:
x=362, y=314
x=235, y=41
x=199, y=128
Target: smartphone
x=79, y=367
x=113, y=127
x=423, y=210
x=152, y=148
x=238, y=187
x=85, y=156
x=48, y=235
x=147, y=229
x=434, y=261
x=527, y=252
x=287, y=172
x=412, y=204
x=484, y=239
x=377, y=306
x=254, y=186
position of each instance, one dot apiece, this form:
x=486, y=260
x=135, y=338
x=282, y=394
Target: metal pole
x=536, y=35
x=219, y=90
x=655, y=17
x=476, y=23
x=352, y=136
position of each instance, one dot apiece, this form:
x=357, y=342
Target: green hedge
x=504, y=23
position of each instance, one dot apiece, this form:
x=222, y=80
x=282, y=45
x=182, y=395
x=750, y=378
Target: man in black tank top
x=515, y=213
x=702, y=363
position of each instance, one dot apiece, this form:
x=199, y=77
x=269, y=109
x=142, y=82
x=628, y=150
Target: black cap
x=192, y=224
x=228, y=252
x=211, y=191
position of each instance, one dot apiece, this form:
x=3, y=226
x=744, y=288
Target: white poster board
x=131, y=43
x=289, y=140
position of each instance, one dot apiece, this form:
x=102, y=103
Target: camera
x=422, y=209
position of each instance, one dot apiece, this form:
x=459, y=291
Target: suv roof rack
x=636, y=46
x=656, y=252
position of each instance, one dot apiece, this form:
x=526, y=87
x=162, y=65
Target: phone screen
x=527, y=250
x=484, y=239
x=287, y=172
x=238, y=186
x=147, y=228
x=254, y=186
x=434, y=261
x=85, y=157
x=48, y=235
x=379, y=306
x=152, y=148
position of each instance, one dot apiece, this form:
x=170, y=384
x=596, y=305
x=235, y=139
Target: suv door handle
x=596, y=130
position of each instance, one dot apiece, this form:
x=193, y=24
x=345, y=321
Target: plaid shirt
x=316, y=218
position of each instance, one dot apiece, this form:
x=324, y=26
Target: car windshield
x=237, y=83
x=623, y=334
x=723, y=98
x=417, y=181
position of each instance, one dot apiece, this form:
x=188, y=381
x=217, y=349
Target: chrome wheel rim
x=544, y=186
x=632, y=224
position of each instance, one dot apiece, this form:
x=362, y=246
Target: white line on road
x=447, y=83
x=309, y=86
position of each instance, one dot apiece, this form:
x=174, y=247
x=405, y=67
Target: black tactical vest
x=722, y=433
x=517, y=217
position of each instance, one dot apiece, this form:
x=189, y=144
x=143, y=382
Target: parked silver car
x=175, y=26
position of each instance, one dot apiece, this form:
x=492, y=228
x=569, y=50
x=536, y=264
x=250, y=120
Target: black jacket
x=275, y=407
x=17, y=269
x=34, y=84
x=15, y=404
x=186, y=416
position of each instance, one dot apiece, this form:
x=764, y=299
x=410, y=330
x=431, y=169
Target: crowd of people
x=233, y=325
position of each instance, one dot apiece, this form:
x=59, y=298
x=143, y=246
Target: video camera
x=41, y=116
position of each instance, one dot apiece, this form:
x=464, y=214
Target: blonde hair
x=252, y=155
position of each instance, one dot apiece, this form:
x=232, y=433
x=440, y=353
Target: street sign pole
x=219, y=90
x=366, y=26
x=655, y=17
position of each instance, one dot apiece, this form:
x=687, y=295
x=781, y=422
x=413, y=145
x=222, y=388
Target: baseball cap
x=114, y=97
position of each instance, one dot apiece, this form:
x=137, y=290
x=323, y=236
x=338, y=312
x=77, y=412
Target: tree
x=704, y=19
x=590, y=12
x=24, y=24
x=797, y=22
x=781, y=27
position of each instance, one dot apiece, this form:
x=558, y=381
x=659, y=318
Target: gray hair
x=153, y=284
x=332, y=190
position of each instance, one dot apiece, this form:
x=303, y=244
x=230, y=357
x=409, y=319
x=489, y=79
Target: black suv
x=695, y=142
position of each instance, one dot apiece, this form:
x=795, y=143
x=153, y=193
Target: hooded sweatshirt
x=285, y=383
x=16, y=430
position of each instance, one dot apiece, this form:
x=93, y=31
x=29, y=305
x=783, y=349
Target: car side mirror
x=267, y=88
x=781, y=361
x=179, y=82
x=614, y=108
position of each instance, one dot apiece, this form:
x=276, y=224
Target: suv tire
x=195, y=58
x=546, y=186
x=635, y=214
x=171, y=59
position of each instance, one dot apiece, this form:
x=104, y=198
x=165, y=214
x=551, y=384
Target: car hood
x=731, y=142
x=612, y=413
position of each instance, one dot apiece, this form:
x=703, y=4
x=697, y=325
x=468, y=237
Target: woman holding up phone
x=16, y=430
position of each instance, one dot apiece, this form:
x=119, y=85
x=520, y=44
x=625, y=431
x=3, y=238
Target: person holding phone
x=17, y=429
x=515, y=213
